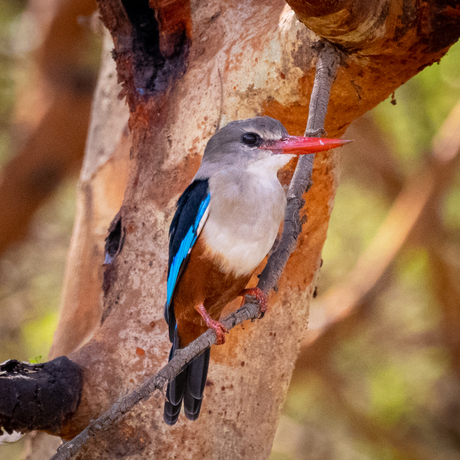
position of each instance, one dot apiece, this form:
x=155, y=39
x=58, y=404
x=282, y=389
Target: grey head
x=242, y=144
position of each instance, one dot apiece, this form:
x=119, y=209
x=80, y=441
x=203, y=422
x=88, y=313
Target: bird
x=225, y=223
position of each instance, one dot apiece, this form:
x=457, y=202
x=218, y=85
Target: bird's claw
x=261, y=297
x=216, y=326
x=219, y=330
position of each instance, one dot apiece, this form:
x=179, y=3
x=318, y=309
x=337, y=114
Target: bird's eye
x=251, y=139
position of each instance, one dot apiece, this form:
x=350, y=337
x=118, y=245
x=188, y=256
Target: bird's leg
x=260, y=295
x=217, y=327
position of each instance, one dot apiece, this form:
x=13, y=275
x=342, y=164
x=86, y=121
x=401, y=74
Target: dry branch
x=328, y=61
x=157, y=382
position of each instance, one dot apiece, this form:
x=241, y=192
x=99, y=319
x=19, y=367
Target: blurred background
x=379, y=372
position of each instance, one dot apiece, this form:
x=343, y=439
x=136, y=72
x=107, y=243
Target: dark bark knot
x=115, y=239
x=38, y=396
x=159, y=51
x=113, y=246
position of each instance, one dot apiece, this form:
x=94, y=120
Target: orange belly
x=202, y=283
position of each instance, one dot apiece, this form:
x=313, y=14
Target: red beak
x=296, y=145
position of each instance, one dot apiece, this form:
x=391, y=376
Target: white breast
x=245, y=215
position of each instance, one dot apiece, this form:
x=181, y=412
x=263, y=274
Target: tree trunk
x=187, y=69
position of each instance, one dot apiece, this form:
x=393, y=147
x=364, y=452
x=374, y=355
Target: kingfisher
x=225, y=223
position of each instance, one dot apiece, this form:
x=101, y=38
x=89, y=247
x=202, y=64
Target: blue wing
x=183, y=233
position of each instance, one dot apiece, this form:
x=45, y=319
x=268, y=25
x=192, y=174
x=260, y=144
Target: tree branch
x=157, y=382
x=328, y=60
x=38, y=396
x=325, y=74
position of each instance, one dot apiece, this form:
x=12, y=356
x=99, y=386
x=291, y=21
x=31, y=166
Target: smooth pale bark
x=244, y=59
x=100, y=195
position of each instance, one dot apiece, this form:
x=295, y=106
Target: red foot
x=261, y=297
x=217, y=327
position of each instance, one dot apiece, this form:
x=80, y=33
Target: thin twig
x=181, y=358
x=325, y=73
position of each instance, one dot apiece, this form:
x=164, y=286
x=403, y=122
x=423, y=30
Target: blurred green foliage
x=31, y=275
x=422, y=105
x=451, y=208
x=10, y=11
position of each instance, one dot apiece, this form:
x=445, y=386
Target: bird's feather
x=191, y=214
x=189, y=219
x=188, y=386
